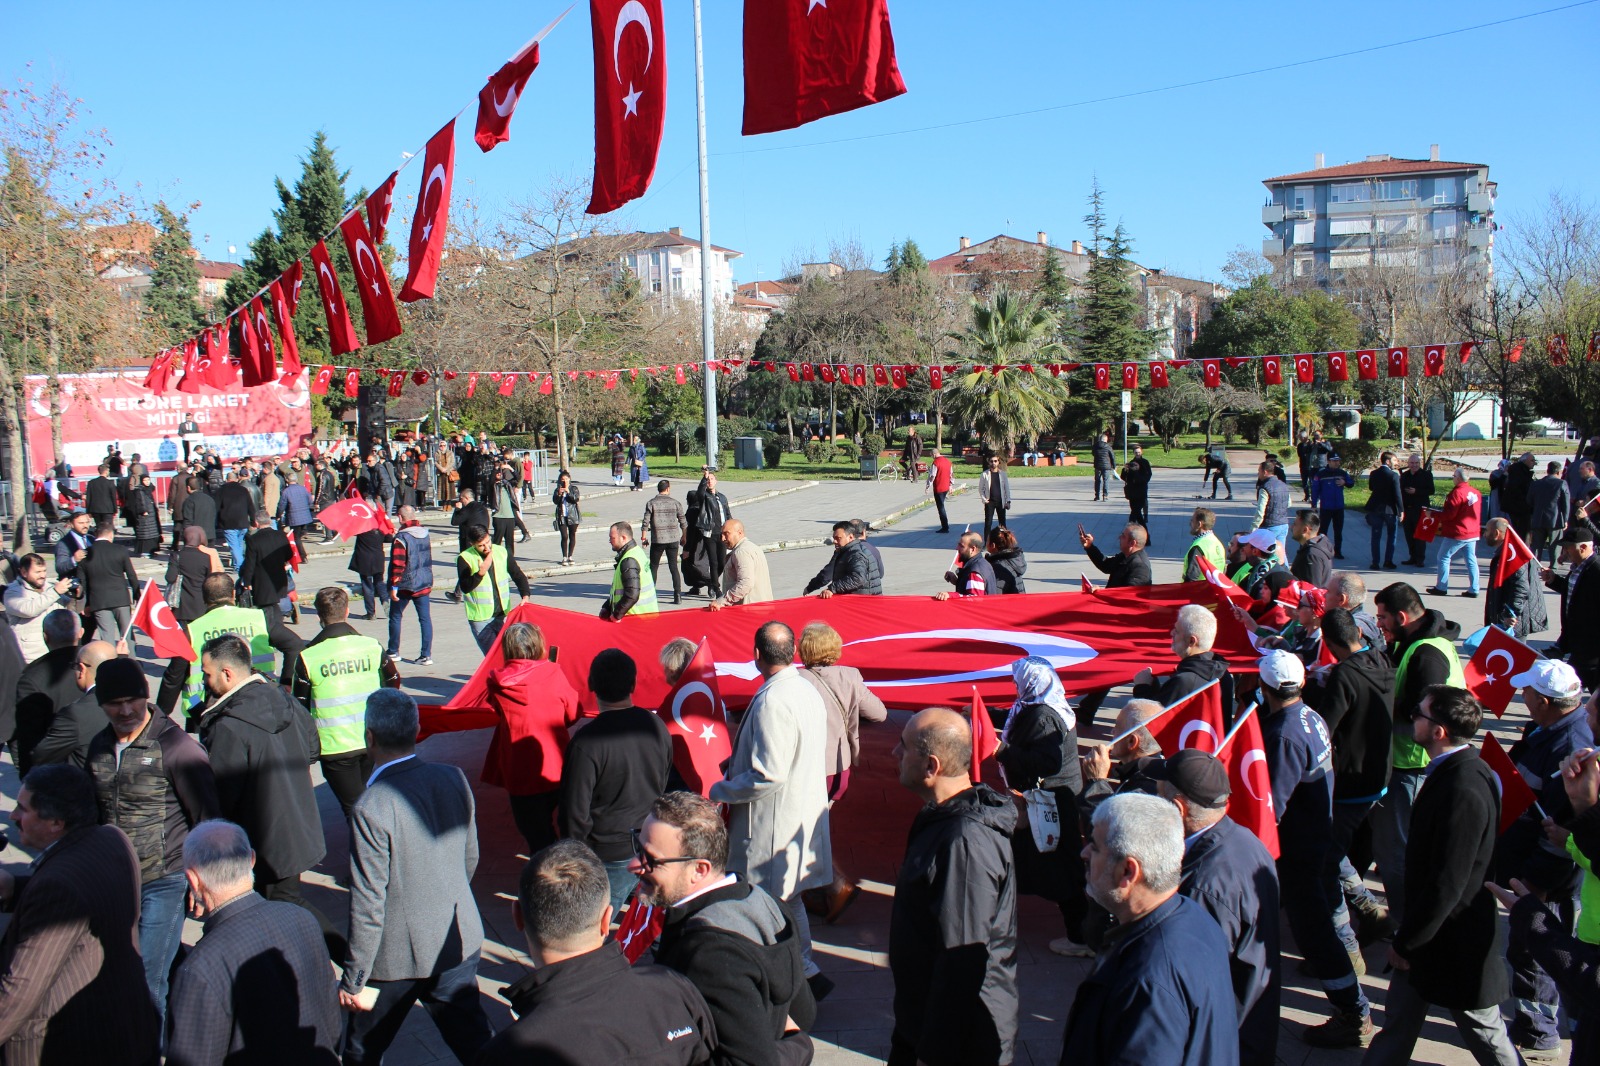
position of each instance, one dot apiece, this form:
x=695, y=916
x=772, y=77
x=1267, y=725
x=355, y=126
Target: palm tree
x=1005, y=403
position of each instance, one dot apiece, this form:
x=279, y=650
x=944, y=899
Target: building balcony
x=1479, y=236
x=1481, y=203
x=1271, y=214
x=1272, y=247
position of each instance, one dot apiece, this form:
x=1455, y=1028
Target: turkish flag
x=698, y=723
x=1433, y=360
x=508, y=384
x=1223, y=582
x=805, y=61
x=422, y=377
x=547, y=384
x=1102, y=376
x=372, y=281
x=156, y=619
x=397, y=383
x=266, y=351
x=985, y=741
x=1513, y=555
x=498, y=98
x=1399, y=366
x=794, y=371
x=1499, y=658
x=1338, y=366
x=1158, y=375
x=218, y=369
x=639, y=927
x=296, y=557
x=1515, y=795
x=472, y=385
x=1514, y=355
x=193, y=376
x=906, y=654
x=380, y=205
x=808, y=372
x=353, y=516
x=1272, y=370
x=1196, y=721
x=1130, y=375
x=285, y=319
x=1427, y=524
x=1367, y=364
x=630, y=98
x=1211, y=372
x=1465, y=352
x=1250, y=801
x=936, y=377
x=432, y=220
x=352, y=384
x=250, y=350
x=324, y=378
x=880, y=375
x=341, y=331
x=1305, y=369
x=159, y=376
x=897, y=376
x=1555, y=346
x=859, y=373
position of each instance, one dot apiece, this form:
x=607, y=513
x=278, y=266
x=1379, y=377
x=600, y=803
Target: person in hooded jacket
x=535, y=706
x=732, y=940
x=1007, y=561
x=849, y=570
x=953, y=927
x=1313, y=560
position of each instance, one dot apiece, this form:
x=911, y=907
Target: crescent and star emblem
x=1198, y=727
x=504, y=109
x=1251, y=757
x=435, y=175
x=632, y=11
x=361, y=511
x=363, y=250
x=155, y=616
x=1488, y=664
x=709, y=733
x=1060, y=652
x=330, y=300
x=812, y=5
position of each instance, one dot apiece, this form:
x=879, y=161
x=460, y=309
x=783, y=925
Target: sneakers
x=1065, y=945
x=1469, y=595
x=1430, y=590
x=421, y=660
x=1343, y=1030
x=1538, y=1056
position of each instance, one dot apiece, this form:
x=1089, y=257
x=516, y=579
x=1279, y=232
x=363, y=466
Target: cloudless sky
x=208, y=102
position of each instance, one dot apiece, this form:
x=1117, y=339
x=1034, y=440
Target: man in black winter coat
x=850, y=570
x=1580, y=603
x=1130, y=566
x=1515, y=502
x=1416, y=492
x=100, y=496
x=583, y=1003
x=1313, y=560
x=731, y=939
x=265, y=569
x=953, y=929
x=1194, y=632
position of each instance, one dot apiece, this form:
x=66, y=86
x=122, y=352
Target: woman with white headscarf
x=1039, y=749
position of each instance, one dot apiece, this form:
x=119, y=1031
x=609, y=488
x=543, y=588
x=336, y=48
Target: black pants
x=287, y=890
x=536, y=818
x=451, y=999
x=657, y=550
x=1219, y=476
x=993, y=513
x=505, y=532
x=569, y=539
x=173, y=679
x=716, y=559
x=1139, y=508
x=347, y=775
x=1333, y=519
x=944, y=519
x=1417, y=548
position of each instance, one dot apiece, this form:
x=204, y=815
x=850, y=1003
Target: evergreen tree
x=1053, y=289
x=173, y=298
x=1108, y=312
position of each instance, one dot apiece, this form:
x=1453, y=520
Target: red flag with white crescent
x=1513, y=555
x=1130, y=375
x=397, y=383
x=1433, y=360
x=1305, y=369
x=353, y=516
x=897, y=377
x=342, y=338
x=1272, y=370
x=1244, y=752
x=639, y=928
x=432, y=220
x=285, y=319
x=808, y=371
x=1211, y=372
x=1399, y=362
x=936, y=377
x=250, y=368
x=320, y=383
x=508, y=384
x=1222, y=581
x=156, y=619
x=352, y=383
x=380, y=205
x=1102, y=376
x=1499, y=658
x=1464, y=354
x=372, y=281
x=1515, y=794
x=1427, y=524
x=188, y=356
x=806, y=61
x=1158, y=375
x=630, y=98
x=698, y=723
x=1338, y=367
x=159, y=377
x=497, y=100
x=880, y=374
x=1367, y=364
x=1196, y=721
x=794, y=371
x=217, y=368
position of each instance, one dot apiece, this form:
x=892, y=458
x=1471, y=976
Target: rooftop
x=1374, y=168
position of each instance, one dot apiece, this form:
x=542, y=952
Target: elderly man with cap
x=1229, y=872
x=1559, y=727
x=1579, y=642
x=1300, y=765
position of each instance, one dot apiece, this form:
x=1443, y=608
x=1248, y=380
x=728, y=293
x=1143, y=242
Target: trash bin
x=747, y=453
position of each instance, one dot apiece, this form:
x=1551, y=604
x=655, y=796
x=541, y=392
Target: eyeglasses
x=1427, y=717
x=650, y=862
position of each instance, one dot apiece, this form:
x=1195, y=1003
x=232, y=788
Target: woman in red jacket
x=535, y=705
x=1458, y=532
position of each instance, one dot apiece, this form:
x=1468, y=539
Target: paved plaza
x=871, y=822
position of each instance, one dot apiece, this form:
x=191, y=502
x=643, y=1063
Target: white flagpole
x=707, y=336
x=1124, y=735
x=1246, y=713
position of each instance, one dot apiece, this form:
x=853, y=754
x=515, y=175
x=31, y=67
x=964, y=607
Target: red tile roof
x=210, y=268
x=768, y=288
x=1377, y=168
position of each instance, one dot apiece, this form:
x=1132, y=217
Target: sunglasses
x=650, y=862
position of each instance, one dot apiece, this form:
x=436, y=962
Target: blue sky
x=210, y=101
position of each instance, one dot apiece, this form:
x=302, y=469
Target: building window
x=1398, y=190
x=655, y=284
x=1340, y=227
x=1304, y=266
x=1303, y=198
x=677, y=284
x=1446, y=190
x=1444, y=225
x=1305, y=232
x=1352, y=192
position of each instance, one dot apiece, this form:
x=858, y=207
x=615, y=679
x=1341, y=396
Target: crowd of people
x=666, y=926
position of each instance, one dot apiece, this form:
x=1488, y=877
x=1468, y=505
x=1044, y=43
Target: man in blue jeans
x=153, y=781
x=411, y=581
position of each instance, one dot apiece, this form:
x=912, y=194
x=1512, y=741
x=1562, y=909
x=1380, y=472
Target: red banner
x=913, y=651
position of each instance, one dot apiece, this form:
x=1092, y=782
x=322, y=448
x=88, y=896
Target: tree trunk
x=14, y=426
x=561, y=422
x=53, y=383
x=938, y=420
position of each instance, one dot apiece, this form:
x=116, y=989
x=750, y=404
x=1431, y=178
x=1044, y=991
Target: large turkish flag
x=913, y=651
x=698, y=723
x=498, y=99
x=342, y=338
x=807, y=59
x=372, y=281
x=432, y=220
x=1244, y=752
x=1489, y=681
x=630, y=98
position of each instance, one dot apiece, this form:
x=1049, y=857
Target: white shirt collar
x=723, y=882
x=385, y=766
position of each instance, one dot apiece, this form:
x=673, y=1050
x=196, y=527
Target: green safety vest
x=647, y=586
x=1407, y=753
x=343, y=672
x=1211, y=548
x=480, y=601
x=247, y=623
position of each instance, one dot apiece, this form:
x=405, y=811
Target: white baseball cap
x=1550, y=677
x=1281, y=668
x=1261, y=539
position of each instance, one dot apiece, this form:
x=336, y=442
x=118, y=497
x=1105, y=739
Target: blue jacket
x=296, y=504
x=1159, y=993
x=1327, y=488
x=1522, y=850
x=1300, y=763
x=1230, y=873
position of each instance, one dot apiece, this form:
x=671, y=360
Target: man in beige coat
x=744, y=578
x=776, y=788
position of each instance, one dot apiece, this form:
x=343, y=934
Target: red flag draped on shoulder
x=697, y=723
x=372, y=281
x=807, y=59
x=1515, y=795
x=1499, y=658
x=985, y=742
x=1244, y=752
x=630, y=98
x=342, y=338
x=432, y=219
x=156, y=619
x=498, y=99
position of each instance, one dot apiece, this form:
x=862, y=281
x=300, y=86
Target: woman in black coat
x=367, y=562
x=1007, y=560
x=190, y=565
x=568, y=515
x=146, y=519
x=1039, y=749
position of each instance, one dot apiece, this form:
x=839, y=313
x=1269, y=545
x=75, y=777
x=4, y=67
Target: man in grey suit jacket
x=415, y=932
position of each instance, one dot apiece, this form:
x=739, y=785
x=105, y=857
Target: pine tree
x=173, y=298
x=1053, y=289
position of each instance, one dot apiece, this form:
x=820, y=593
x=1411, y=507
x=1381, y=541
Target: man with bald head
x=744, y=576
x=1130, y=566
x=75, y=724
x=953, y=930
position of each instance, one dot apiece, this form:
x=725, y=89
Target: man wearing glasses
x=735, y=942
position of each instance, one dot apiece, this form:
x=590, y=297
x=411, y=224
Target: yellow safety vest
x=343, y=672
x=247, y=623
x=480, y=601
x=647, y=587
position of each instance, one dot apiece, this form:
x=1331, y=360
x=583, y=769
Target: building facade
x=667, y=265
x=1430, y=216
